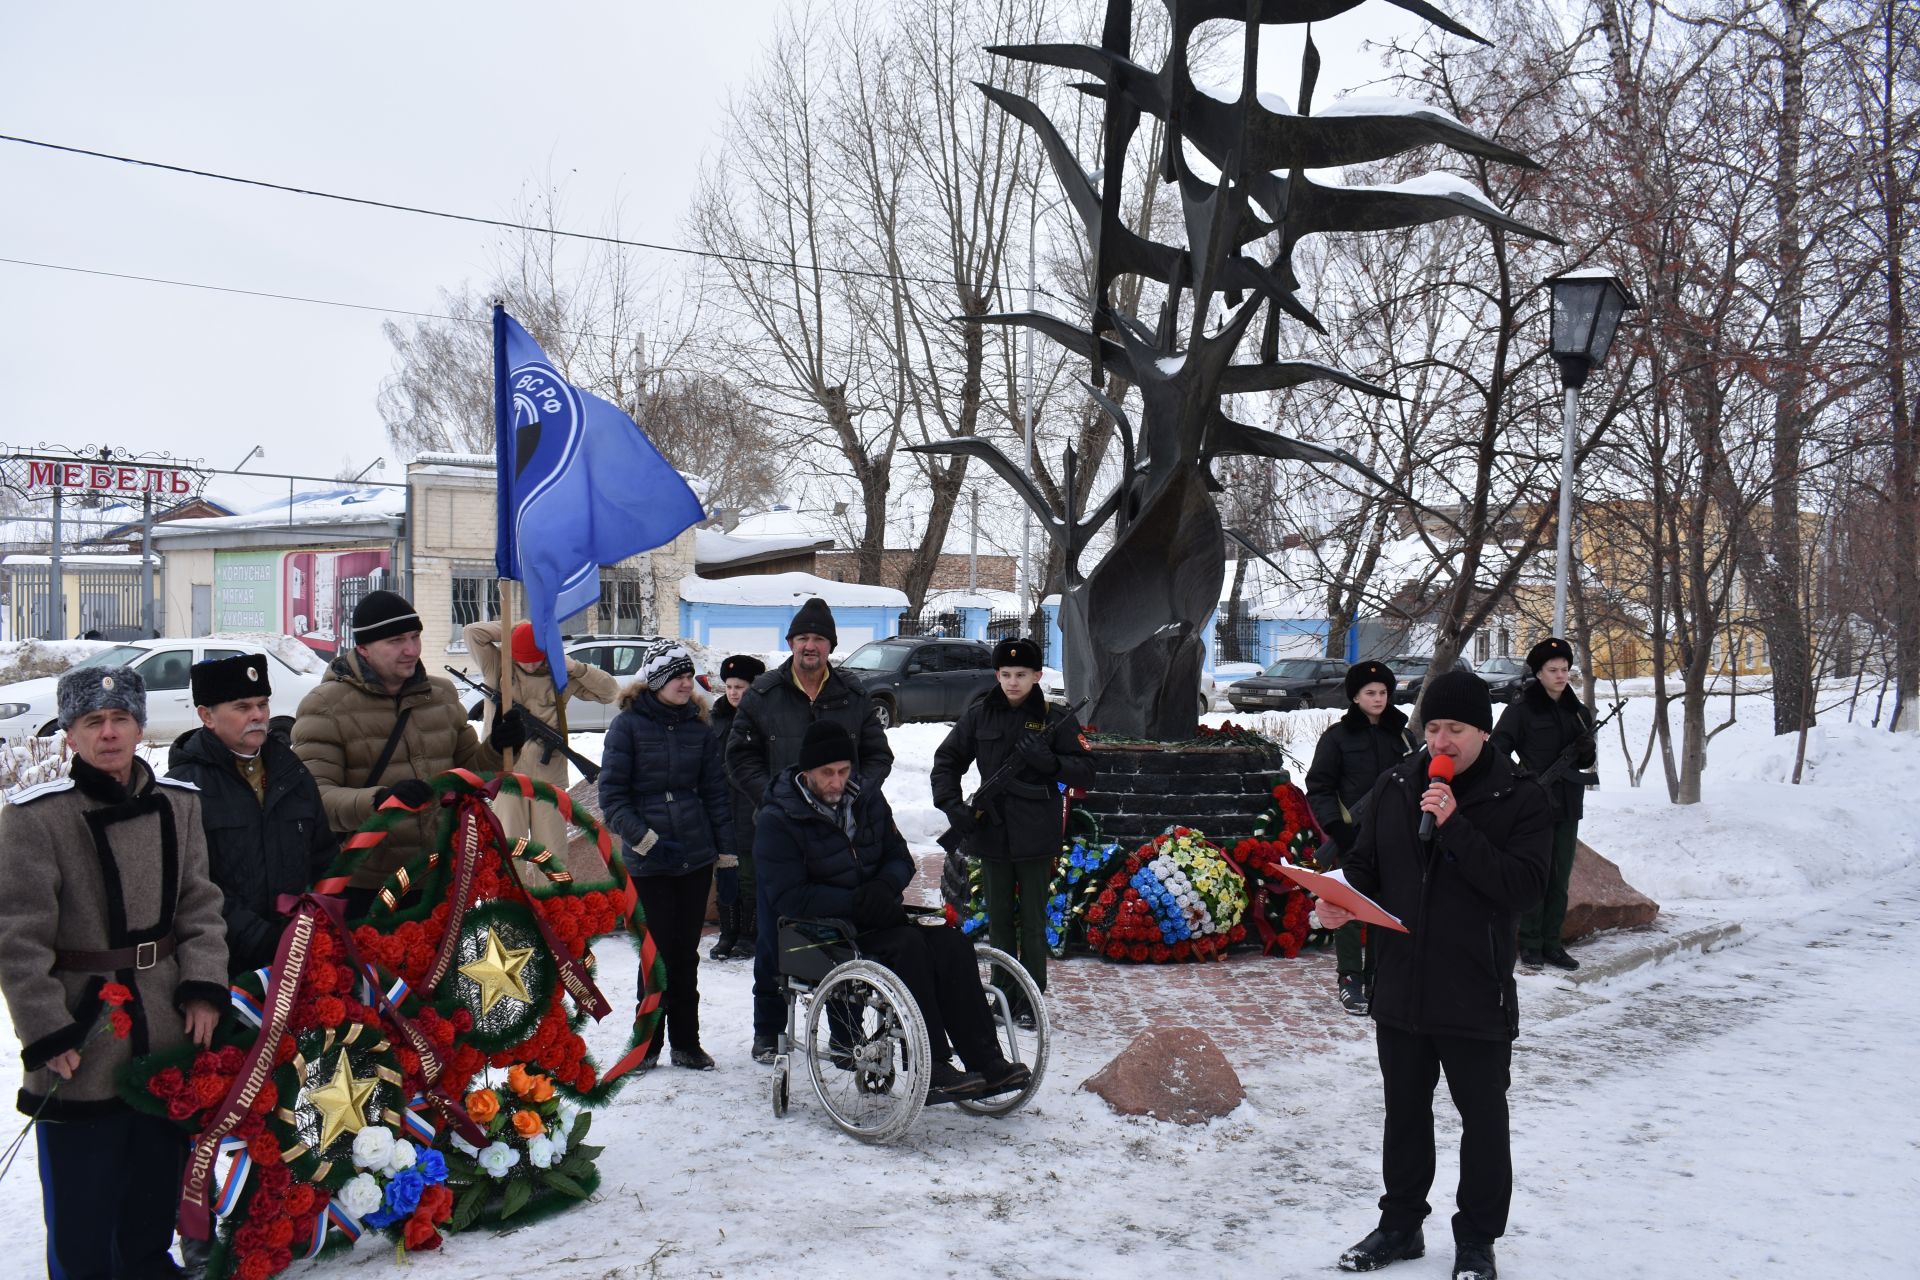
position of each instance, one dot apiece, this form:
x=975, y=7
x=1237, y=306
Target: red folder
x=1335, y=889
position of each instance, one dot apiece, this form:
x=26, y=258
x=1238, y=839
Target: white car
x=30, y=707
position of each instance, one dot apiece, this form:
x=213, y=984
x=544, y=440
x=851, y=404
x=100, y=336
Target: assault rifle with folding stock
x=992, y=787
x=538, y=730
x=1564, y=761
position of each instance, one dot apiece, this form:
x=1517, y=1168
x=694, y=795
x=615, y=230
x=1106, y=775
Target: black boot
x=728, y=945
x=746, y=921
x=1473, y=1261
x=1556, y=955
x=1383, y=1246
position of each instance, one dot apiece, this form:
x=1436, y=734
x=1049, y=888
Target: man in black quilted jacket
x=1444, y=996
x=266, y=831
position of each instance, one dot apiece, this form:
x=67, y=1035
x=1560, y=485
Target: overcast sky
x=448, y=106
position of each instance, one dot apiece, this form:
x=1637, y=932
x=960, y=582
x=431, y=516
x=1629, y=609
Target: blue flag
x=579, y=486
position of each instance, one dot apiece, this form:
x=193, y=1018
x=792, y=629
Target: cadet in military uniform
x=105, y=881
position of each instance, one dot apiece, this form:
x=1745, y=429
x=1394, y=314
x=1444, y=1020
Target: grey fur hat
x=88, y=689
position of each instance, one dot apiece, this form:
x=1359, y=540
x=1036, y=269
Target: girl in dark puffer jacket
x=663, y=791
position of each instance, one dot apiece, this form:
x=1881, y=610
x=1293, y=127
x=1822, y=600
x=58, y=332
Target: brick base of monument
x=1141, y=789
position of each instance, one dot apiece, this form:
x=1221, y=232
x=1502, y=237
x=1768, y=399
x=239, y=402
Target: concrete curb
x=1700, y=938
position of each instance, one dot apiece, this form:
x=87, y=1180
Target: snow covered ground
x=1741, y=1113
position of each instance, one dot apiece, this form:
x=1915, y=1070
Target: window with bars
x=622, y=606
x=476, y=598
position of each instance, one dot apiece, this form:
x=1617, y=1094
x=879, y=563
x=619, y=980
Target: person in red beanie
x=531, y=684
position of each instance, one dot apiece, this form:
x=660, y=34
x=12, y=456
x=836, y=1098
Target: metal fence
x=1010, y=626
x=103, y=599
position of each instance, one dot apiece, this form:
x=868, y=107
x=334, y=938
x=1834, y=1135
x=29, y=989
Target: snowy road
x=1716, y=1116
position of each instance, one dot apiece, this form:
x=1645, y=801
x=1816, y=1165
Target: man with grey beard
x=266, y=831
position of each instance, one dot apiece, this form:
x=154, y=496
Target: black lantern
x=1587, y=306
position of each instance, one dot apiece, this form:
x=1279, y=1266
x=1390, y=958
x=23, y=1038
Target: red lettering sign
x=115, y=478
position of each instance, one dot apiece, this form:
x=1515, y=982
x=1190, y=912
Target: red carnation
x=418, y=1233
x=166, y=1084
x=251, y=1238
x=436, y=1202
x=280, y=1259
x=232, y=1058
x=265, y=1150
x=208, y=1089
x=330, y=1011
x=121, y=1021
x=253, y=1267
x=1138, y=952
x=1116, y=951
x=115, y=994
x=299, y=1199
x=280, y=1233
x=181, y=1106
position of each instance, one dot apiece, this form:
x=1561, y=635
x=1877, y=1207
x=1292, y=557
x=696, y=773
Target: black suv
x=917, y=678
x=1410, y=669
x=1291, y=684
x=1505, y=677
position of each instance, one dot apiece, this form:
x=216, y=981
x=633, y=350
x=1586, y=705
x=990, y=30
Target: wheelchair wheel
x=865, y=1045
x=1009, y=988
x=782, y=1081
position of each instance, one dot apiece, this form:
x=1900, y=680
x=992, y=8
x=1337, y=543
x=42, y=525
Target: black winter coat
x=661, y=771
x=1535, y=729
x=772, y=720
x=1349, y=758
x=255, y=851
x=809, y=866
x=721, y=716
x=1461, y=896
x=1027, y=820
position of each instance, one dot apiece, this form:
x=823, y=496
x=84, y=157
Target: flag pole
x=503, y=555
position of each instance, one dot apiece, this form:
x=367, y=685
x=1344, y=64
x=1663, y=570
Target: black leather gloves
x=508, y=732
x=960, y=818
x=411, y=792
x=876, y=905
x=1038, y=756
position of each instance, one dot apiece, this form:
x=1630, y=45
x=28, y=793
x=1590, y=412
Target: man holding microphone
x=1457, y=861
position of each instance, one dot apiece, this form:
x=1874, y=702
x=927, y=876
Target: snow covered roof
x=717, y=547
x=787, y=588
x=74, y=561
x=346, y=507
x=994, y=601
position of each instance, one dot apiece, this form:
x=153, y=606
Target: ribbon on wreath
x=283, y=986
x=475, y=830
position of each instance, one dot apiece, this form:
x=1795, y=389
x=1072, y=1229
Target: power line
x=472, y=218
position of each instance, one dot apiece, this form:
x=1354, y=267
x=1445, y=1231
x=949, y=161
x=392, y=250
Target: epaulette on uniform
x=42, y=791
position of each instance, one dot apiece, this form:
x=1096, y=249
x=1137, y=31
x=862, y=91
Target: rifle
x=1564, y=761
x=1002, y=776
x=538, y=730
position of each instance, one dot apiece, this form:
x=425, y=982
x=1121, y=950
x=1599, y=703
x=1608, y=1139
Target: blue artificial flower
x=403, y=1192
x=432, y=1166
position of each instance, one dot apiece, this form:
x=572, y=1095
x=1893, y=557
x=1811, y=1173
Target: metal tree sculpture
x=1134, y=623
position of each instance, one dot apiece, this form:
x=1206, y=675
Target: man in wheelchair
x=828, y=849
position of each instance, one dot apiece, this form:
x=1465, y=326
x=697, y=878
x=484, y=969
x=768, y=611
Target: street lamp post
x=1587, y=306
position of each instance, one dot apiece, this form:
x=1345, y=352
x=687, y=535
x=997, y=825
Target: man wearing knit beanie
x=1537, y=728
x=379, y=728
x=767, y=730
x=1444, y=999
x=529, y=678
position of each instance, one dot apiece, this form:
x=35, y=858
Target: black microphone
x=1439, y=769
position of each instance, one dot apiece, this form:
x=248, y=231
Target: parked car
x=619, y=656
x=1291, y=684
x=30, y=707
x=1410, y=669
x=917, y=678
x=1505, y=677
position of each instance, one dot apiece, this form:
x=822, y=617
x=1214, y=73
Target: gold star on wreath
x=341, y=1102
x=497, y=971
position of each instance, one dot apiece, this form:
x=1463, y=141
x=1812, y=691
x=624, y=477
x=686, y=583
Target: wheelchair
x=864, y=1043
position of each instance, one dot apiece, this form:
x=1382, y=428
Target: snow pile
x=33, y=659
x=283, y=647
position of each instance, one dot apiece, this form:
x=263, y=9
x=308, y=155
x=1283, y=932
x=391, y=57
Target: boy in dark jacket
x=1444, y=998
x=1350, y=757
x=1535, y=729
x=733, y=873
x=827, y=847
x=1017, y=834
x=267, y=834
